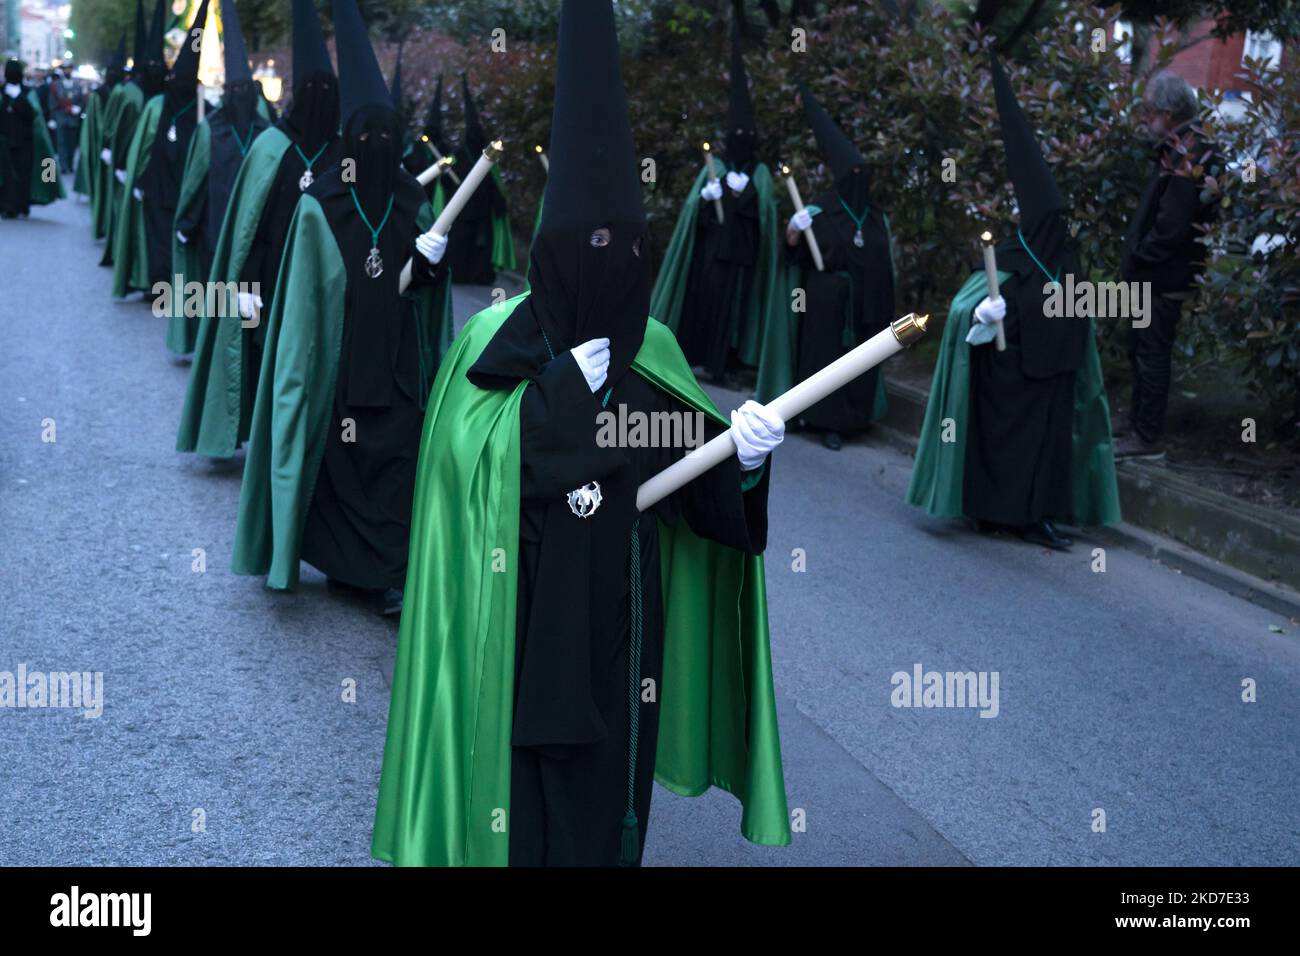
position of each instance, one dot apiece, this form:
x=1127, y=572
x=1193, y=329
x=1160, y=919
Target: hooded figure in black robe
x=149, y=73
x=582, y=760
x=469, y=250
x=312, y=126
x=232, y=130
x=357, y=528
x=726, y=254
x=853, y=297
x=114, y=73
x=1018, y=445
x=17, y=144
x=420, y=156
x=160, y=183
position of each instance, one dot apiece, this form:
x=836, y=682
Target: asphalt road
x=1118, y=692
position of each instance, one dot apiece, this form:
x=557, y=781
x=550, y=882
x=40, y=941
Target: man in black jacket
x=1161, y=247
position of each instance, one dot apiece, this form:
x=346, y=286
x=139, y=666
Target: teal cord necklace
x=1054, y=281
x=171, y=127
x=858, y=221
x=374, y=262
x=307, y=178
x=243, y=146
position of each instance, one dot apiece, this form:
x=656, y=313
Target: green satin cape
x=445, y=784
x=126, y=110
x=130, y=245
x=215, y=417
x=84, y=182
x=294, y=406
x=936, y=483
x=186, y=261
x=764, y=294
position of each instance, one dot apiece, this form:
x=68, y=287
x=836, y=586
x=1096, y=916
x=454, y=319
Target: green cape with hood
x=936, y=482
x=765, y=289
x=445, y=786
x=86, y=182
x=125, y=102
x=781, y=333
x=130, y=245
x=43, y=157
x=219, y=398
x=186, y=262
x=294, y=402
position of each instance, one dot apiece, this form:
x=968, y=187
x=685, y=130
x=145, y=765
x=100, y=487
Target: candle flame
x=785, y=170
x=538, y=148
x=986, y=237
x=706, y=147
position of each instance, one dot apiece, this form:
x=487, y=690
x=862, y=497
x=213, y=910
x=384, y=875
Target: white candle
x=438, y=155
x=991, y=278
x=813, y=248
x=713, y=178
x=457, y=201
x=436, y=170
x=541, y=156
x=810, y=391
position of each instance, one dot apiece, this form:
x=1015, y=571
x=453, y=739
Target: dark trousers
x=1150, y=352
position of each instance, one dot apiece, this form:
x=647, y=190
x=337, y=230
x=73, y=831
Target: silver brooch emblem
x=584, y=501
x=171, y=133
x=305, y=180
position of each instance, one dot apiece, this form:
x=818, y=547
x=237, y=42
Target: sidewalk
x=1235, y=545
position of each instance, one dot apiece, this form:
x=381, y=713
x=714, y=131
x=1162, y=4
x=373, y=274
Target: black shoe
x=1044, y=535
x=1138, y=448
x=832, y=440
x=391, y=604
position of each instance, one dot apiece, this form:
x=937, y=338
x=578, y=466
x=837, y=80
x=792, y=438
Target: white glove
x=991, y=310
x=593, y=361
x=139, y=196
x=181, y=236
x=106, y=155
x=121, y=175
x=52, y=125
x=12, y=90
x=756, y=430
x=737, y=182
x=432, y=246
x=802, y=220
x=712, y=190
x=250, y=304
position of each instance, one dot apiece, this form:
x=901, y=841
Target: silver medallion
x=171, y=133
x=305, y=180
x=374, y=264
x=857, y=239
x=584, y=501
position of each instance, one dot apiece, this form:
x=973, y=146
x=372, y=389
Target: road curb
x=1252, y=553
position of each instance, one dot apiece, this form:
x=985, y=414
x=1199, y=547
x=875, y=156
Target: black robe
x=846, y=304
x=358, y=525
x=469, y=246
x=160, y=185
x=720, y=280
x=1021, y=410
x=570, y=756
x=17, y=154
x=201, y=223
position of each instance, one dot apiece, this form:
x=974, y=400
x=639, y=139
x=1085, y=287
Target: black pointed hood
x=837, y=150
x=184, y=75
x=118, y=62
x=742, y=133
x=361, y=83
x=475, y=138
x=395, y=84
x=585, y=284
x=232, y=39
x=140, y=43
x=310, y=54
x=1035, y=187
x=433, y=119
x=154, y=51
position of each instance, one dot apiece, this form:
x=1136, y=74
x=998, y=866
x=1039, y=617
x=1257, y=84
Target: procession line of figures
x=553, y=658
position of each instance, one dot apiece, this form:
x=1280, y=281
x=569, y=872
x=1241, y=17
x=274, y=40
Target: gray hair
x=1170, y=93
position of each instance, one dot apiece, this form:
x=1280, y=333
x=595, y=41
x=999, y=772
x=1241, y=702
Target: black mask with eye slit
x=313, y=119
x=583, y=289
